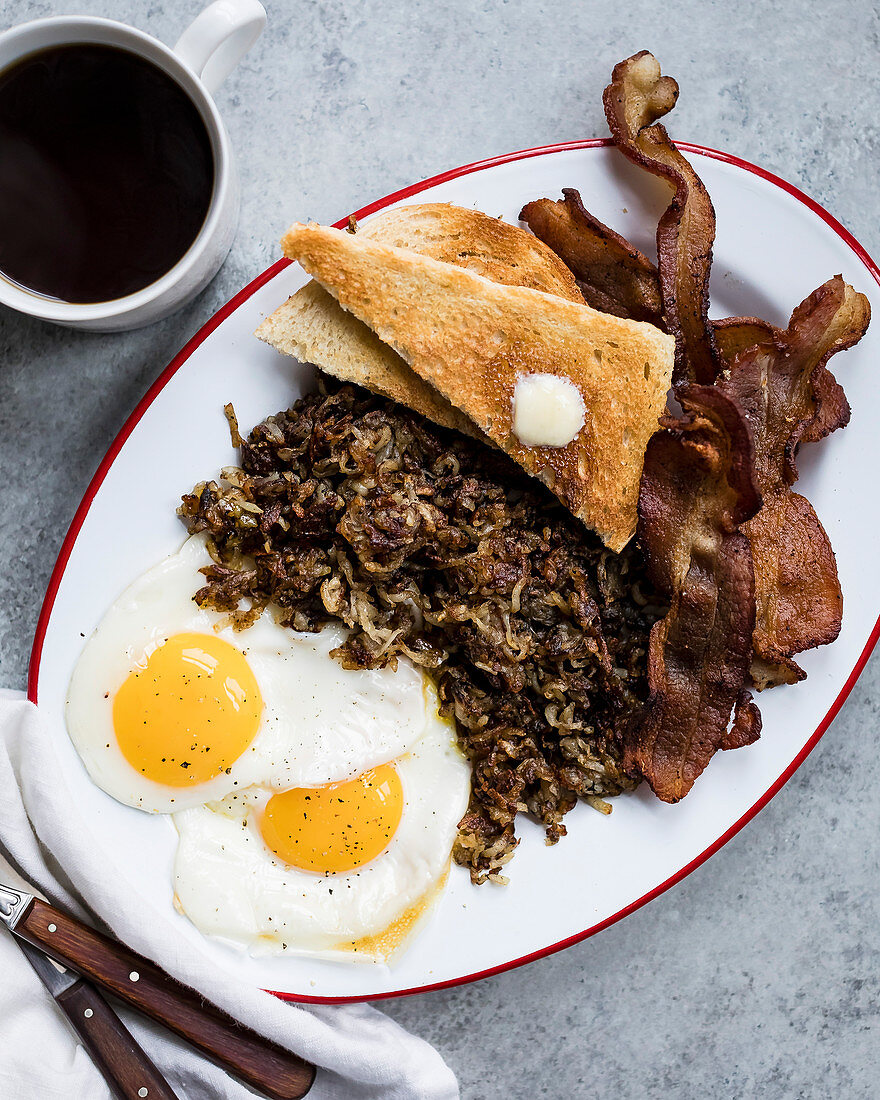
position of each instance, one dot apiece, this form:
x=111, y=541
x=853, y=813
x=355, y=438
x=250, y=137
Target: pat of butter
x=548, y=411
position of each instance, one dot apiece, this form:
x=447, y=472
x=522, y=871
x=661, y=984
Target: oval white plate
x=774, y=246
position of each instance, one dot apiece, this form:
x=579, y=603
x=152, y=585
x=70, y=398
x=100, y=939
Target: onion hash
x=436, y=547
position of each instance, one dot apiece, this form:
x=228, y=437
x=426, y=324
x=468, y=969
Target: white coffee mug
x=205, y=54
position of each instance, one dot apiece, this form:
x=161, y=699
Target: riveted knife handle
x=128, y=1071
x=258, y=1062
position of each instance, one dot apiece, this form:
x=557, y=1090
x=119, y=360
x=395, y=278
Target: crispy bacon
x=697, y=489
x=788, y=394
x=636, y=97
x=798, y=596
x=735, y=335
x=746, y=727
x=831, y=407
x=706, y=542
x=804, y=575
x=614, y=276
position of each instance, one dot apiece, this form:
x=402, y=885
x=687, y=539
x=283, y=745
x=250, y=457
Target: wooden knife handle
x=258, y=1062
x=127, y=1070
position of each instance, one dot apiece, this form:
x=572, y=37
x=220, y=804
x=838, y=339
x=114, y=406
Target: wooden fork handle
x=258, y=1062
x=129, y=1073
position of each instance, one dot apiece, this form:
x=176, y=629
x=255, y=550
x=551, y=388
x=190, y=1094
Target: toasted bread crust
x=314, y=328
x=468, y=238
x=472, y=338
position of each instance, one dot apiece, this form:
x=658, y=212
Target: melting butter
x=548, y=411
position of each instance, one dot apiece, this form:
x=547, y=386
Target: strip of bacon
x=636, y=97
x=614, y=276
x=697, y=489
x=700, y=484
x=787, y=395
x=831, y=408
x=804, y=577
x=735, y=335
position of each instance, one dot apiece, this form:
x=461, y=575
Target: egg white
x=320, y=722
x=231, y=885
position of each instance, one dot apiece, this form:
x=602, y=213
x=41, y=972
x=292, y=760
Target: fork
x=258, y=1062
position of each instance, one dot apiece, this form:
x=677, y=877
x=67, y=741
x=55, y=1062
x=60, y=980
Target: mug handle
x=219, y=37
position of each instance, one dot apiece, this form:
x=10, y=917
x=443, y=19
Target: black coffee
x=106, y=173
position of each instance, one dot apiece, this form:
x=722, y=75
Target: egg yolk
x=338, y=827
x=189, y=712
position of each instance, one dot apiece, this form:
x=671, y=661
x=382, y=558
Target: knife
x=129, y=1073
x=258, y=1062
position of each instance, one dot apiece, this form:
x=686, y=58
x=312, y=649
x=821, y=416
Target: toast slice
x=469, y=238
x=472, y=339
x=314, y=328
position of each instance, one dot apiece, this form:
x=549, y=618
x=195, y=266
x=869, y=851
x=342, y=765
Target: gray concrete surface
x=758, y=976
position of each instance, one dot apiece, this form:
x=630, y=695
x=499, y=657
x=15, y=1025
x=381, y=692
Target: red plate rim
x=242, y=296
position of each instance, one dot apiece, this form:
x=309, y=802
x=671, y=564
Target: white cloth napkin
x=363, y=1054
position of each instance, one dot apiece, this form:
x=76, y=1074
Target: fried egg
x=169, y=708
x=346, y=867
